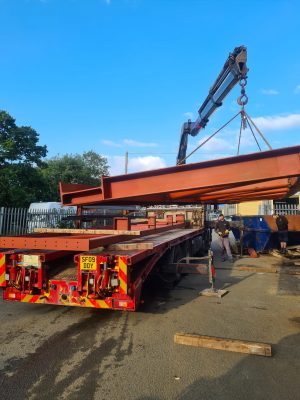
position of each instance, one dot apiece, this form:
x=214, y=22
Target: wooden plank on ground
x=131, y=246
x=210, y=342
x=87, y=231
x=277, y=254
x=296, y=247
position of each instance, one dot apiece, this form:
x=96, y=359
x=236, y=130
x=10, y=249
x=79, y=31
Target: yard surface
x=50, y=352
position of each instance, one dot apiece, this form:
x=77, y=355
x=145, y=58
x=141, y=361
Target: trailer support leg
x=212, y=291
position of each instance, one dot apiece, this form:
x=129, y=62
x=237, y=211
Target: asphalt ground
x=52, y=352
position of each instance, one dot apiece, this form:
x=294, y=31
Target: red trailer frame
x=108, y=277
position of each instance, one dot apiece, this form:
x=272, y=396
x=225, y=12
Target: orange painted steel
x=247, y=189
x=237, y=194
x=294, y=222
x=269, y=174
x=75, y=242
x=59, y=242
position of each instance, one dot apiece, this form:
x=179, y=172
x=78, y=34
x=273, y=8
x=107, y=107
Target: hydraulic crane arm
x=234, y=70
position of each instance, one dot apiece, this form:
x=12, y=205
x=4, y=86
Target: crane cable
x=242, y=100
x=210, y=137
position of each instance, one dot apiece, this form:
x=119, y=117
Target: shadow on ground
x=36, y=375
x=256, y=377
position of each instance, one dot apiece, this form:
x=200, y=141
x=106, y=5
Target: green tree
x=21, y=180
x=20, y=185
x=19, y=143
x=25, y=177
x=96, y=164
x=73, y=168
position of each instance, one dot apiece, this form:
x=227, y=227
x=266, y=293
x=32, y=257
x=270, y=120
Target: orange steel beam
x=220, y=196
x=59, y=242
x=273, y=189
x=235, y=170
x=243, y=195
x=270, y=190
x=162, y=185
x=241, y=198
x=274, y=184
x=251, y=189
x=76, y=242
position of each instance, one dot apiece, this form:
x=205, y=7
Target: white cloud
x=189, y=115
x=110, y=143
x=270, y=92
x=277, y=122
x=135, y=164
x=146, y=163
x=297, y=89
x=135, y=143
x=116, y=165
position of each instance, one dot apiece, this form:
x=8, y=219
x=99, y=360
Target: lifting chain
x=242, y=100
x=244, y=119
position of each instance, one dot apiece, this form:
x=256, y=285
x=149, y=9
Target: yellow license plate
x=30, y=260
x=88, y=263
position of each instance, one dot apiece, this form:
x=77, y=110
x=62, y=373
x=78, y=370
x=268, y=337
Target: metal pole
x=1, y=218
x=210, y=276
x=241, y=241
x=126, y=162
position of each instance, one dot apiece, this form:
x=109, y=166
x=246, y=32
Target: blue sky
x=123, y=75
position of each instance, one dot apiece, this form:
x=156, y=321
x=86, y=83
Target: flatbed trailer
x=109, y=276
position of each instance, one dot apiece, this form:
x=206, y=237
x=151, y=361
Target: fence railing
x=19, y=221
x=288, y=209
x=13, y=221
x=267, y=208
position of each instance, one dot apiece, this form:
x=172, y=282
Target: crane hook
x=242, y=100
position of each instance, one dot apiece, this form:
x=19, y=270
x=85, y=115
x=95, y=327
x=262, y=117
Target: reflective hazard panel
x=2, y=270
x=88, y=263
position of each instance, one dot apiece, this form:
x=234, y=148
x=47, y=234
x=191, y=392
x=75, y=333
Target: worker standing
x=283, y=227
x=222, y=228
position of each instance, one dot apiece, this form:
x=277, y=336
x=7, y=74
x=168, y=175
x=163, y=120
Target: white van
x=47, y=214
